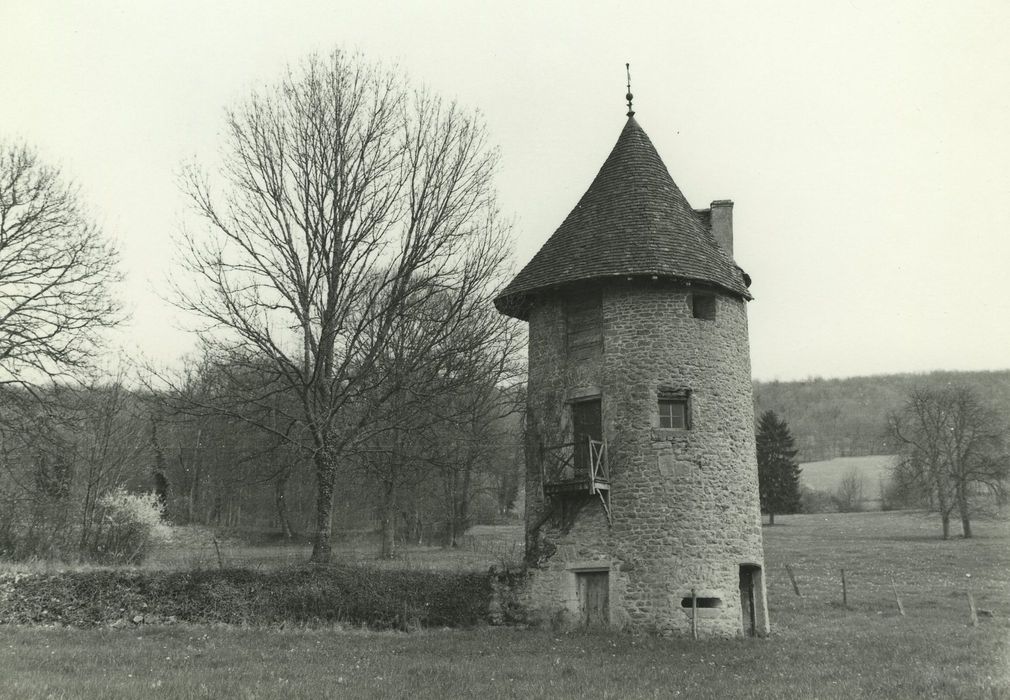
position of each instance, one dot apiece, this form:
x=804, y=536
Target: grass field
x=818, y=649
x=197, y=548
x=826, y=476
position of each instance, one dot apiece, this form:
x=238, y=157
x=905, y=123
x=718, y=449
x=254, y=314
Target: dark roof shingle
x=633, y=220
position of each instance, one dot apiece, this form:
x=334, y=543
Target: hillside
x=847, y=417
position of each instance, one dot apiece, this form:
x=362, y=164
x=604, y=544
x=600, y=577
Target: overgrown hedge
x=304, y=595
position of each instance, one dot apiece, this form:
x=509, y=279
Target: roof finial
x=629, y=96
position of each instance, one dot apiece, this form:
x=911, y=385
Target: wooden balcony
x=577, y=469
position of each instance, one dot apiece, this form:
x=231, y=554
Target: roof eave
x=517, y=303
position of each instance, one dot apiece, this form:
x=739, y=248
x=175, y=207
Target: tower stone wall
x=683, y=501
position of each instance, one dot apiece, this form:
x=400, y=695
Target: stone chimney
x=722, y=224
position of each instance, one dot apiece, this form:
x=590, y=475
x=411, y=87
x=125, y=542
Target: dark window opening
x=673, y=413
x=703, y=306
x=587, y=424
x=702, y=602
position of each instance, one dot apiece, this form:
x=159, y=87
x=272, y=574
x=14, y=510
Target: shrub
x=128, y=525
x=36, y=531
x=302, y=595
x=814, y=501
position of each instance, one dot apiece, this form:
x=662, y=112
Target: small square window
x=673, y=413
x=703, y=306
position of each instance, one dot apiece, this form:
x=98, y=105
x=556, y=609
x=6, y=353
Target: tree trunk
x=463, y=508
x=87, y=516
x=388, y=516
x=963, y=511
x=941, y=503
x=451, y=520
x=280, y=501
x=194, y=484
x=325, y=477
x=771, y=518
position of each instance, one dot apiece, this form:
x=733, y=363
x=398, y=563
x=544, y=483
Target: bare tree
x=473, y=451
x=111, y=444
x=63, y=449
x=56, y=273
x=214, y=461
x=952, y=446
x=436, y=397
x=849, y=493
x=348, y=203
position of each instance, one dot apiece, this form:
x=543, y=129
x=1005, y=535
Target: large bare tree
x=434, y=423
x=346, y=203
x=57, y=272
x=952, y=446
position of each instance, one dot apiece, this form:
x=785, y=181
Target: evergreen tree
x=778, y=472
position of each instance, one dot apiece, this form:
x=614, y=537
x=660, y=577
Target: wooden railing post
x=599, y=468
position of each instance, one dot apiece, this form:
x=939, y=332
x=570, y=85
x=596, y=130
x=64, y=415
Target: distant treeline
x=847, y=417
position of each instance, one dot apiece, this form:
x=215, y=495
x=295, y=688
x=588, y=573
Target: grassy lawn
x=482, y=546
x=818, y=648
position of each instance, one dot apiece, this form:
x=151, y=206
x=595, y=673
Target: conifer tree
x=778, y=471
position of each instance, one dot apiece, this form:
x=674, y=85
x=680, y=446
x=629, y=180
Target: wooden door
x=747, y=584
x=594, y=597
x=587, y=423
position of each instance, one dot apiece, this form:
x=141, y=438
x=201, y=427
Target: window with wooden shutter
x=584, y=327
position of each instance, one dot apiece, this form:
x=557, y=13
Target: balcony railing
x=576, y=466
x=598, y=461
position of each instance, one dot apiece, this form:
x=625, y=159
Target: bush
x=128, y=525
x=309, y=594
x=814, y=501
x=36, y=531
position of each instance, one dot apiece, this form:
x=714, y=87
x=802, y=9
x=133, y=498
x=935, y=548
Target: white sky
x=866, y=144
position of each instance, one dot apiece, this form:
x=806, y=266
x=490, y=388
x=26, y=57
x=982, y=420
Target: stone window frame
x=679, y=396
x=673, y=411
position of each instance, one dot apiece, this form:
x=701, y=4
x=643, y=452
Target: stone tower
x=642, y=506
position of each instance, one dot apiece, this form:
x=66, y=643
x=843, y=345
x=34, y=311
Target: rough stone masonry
x=638, y=348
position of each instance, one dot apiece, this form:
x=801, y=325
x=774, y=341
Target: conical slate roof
x=632, y=221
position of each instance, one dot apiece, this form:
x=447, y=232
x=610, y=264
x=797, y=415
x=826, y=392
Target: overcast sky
x=866, y=144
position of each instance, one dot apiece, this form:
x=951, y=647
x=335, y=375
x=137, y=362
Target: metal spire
x=629, y=96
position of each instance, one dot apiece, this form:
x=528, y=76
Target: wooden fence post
x=897, y=598
x=845, y=593
x=973, y=618
x=972, y=612
x=796, y=588
x=694, y=614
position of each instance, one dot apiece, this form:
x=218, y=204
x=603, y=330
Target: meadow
x=827, y=475
x=819, y=648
